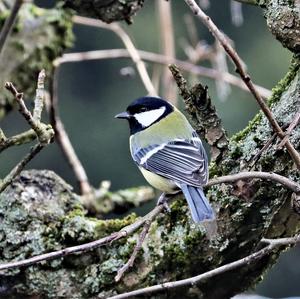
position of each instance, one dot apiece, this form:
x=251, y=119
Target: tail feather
x=198, y=203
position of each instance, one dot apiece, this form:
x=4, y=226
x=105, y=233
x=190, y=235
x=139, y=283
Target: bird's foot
x=163, y=200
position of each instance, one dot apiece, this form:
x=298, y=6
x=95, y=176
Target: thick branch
x=204, y=115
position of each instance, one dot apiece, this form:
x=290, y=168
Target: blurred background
x=92, y=92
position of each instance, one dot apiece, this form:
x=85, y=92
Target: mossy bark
x=39, y=213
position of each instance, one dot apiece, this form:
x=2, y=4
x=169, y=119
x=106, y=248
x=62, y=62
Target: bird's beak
x=124, y=115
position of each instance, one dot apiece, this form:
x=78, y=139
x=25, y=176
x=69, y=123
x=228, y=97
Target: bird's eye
x=143, y=109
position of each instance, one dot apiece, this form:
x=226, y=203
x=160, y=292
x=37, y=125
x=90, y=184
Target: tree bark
x=39, y=213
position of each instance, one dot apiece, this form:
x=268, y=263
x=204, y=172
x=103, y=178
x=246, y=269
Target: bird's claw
x=163, y=200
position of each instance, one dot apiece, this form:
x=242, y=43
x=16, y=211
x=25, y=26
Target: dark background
x=91, y=93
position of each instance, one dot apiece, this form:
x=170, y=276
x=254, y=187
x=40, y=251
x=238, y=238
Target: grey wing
x=183, y=161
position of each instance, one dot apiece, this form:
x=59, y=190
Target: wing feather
x=183, y=161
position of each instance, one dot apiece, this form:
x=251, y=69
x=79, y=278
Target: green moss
x=284, y=83
x=250, y=127
x=277, y=91
x=106, y=227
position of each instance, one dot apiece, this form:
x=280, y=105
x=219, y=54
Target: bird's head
x=144, y=112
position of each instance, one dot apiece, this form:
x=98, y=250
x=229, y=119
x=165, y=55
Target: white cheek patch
x=149, y=117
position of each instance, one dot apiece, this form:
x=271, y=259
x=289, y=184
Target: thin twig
x=42, y=131
x=39, y=97
x=160, y=59
x=18, y=139
x=254, y=159
x=137, y=248
x=289, y=130
x=9, y=22
x=287, y=183
x=206, y=20
x=124, y=232
x=251, y=2
x=273, y=244
x=117, y=29
x=22, y=107
x=168, y=47
x=19, y=167
x=64, y=141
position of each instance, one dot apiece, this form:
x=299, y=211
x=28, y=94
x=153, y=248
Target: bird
x=169, y=152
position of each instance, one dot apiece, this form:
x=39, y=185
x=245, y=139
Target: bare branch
x=40, y=96
x=287, y=183
x=168, y=47
x=273, y=244
x=64, y=141
x=42, y=131
x=19, y=167
x=289, y=130
x=19, y=139
x=206, y=20
x=44, y=135
x=134, y=54
x=160, y=59
x=137, y=248
x=9, y=22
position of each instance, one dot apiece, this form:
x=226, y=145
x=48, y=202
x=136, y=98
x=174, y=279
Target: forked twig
x=137, y=248
x=42, y=131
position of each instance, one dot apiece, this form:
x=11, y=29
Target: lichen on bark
x=43, y=214
x=38, y=37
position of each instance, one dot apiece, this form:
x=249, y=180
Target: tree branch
x=206, y=20
x=19, y=167
x=287, y=183
x=168, y=48
x=9, y=23
x=64, y=141
x=204, y=115
x=160, y=59
x=146, y=221
x=42, y=131
x=164, y=287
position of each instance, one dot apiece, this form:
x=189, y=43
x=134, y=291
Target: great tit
x=168, y=152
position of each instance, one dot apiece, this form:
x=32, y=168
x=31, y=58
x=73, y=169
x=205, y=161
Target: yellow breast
x=158, y=181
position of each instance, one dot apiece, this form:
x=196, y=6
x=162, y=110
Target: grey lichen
x=283, y=19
